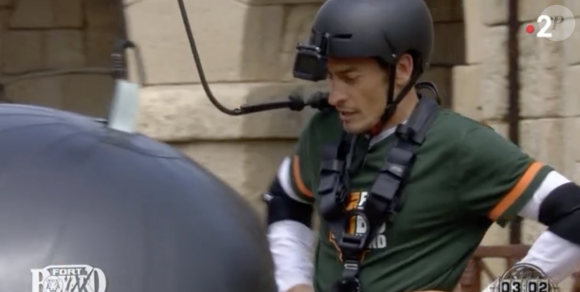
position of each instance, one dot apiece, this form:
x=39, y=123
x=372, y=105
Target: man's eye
x=348, y=78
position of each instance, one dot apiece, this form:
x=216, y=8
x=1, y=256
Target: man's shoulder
x=454, y=127
x=325, y=118
x=322, y=125
x=461, y=136
x=455, y=135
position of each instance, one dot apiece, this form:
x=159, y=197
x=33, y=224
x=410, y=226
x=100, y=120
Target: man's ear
x=404, y=70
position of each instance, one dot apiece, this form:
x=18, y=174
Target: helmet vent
x=342, y=36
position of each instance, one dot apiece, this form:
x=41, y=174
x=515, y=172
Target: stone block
x=446, y=10
x=544, y=140
x=570, y=143
x=32, y=14
x=87, y=94
x=474, y=31
x=494, y=12
x=99, y=46
x=46, y=91
x=494, y=87
x=440, y=76
x=501, y=128
x=531, y=230
x=64, y=48
x=570, y=98
x=576, y=176
x=248, y=166
x=573, y=5
x=571, y=45
x=496, y=235
x=236, y=42
x=571, y=124
x=24, y=49
x=106, y=15
x=4, y=18
x=281, y=2
x=449, y=44
x=531, y=10
x=540, y=76
x=68, y=13
x=566, y=284
x=183, y=113
x=467, y=90
x=296, y=29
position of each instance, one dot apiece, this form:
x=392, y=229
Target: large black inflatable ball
x=84, y=208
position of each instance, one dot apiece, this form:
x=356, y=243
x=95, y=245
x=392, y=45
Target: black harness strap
x=333, y=187
x=384, y=195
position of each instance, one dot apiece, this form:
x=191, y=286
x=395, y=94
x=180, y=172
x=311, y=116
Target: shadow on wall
x=272, y=134
x=270, y=63
x=449, y=46
x=76, y=42
x=271, y=35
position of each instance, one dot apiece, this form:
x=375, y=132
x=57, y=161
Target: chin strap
x=393, y=102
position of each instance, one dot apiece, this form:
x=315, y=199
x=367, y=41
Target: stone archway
x=64, y=35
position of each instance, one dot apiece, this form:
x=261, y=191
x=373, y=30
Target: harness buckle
x=348, y=285
x=349, y=281
x=351, y=242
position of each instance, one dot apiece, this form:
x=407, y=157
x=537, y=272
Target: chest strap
x=383, y=197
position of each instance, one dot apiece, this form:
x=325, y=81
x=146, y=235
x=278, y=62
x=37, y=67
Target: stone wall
x=247, y=49
x=549, y=96
x=38, y=36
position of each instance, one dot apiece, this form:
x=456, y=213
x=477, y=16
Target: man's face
x=358, y=90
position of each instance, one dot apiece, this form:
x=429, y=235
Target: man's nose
x=336, y=96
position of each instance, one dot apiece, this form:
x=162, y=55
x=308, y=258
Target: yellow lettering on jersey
x=357, y=225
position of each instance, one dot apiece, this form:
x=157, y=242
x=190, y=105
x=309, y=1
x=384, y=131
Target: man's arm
x=555, y=204
x=496, y=179
x=290, y=210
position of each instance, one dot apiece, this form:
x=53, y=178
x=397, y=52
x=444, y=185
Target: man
x=85, y=208
x=464, y=176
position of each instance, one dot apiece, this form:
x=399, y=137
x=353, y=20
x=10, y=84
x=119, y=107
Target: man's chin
x=354, y=128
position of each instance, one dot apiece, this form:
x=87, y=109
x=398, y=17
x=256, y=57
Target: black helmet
x=383, y=29
x=87, y=209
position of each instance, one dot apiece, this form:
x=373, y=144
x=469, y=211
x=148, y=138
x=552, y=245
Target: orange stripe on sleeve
x=298, y=178
x=516, y=191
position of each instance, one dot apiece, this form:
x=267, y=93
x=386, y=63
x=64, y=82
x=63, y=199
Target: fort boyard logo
x=68, y=278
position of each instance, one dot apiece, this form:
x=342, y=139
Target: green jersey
x=466, y=176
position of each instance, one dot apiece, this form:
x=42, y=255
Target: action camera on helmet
x=309, y=64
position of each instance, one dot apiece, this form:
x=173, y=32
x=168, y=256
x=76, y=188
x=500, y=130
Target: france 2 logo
x=556, y=23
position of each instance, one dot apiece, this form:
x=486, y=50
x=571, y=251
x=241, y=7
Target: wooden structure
x=476, y=268
x=471, y=279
